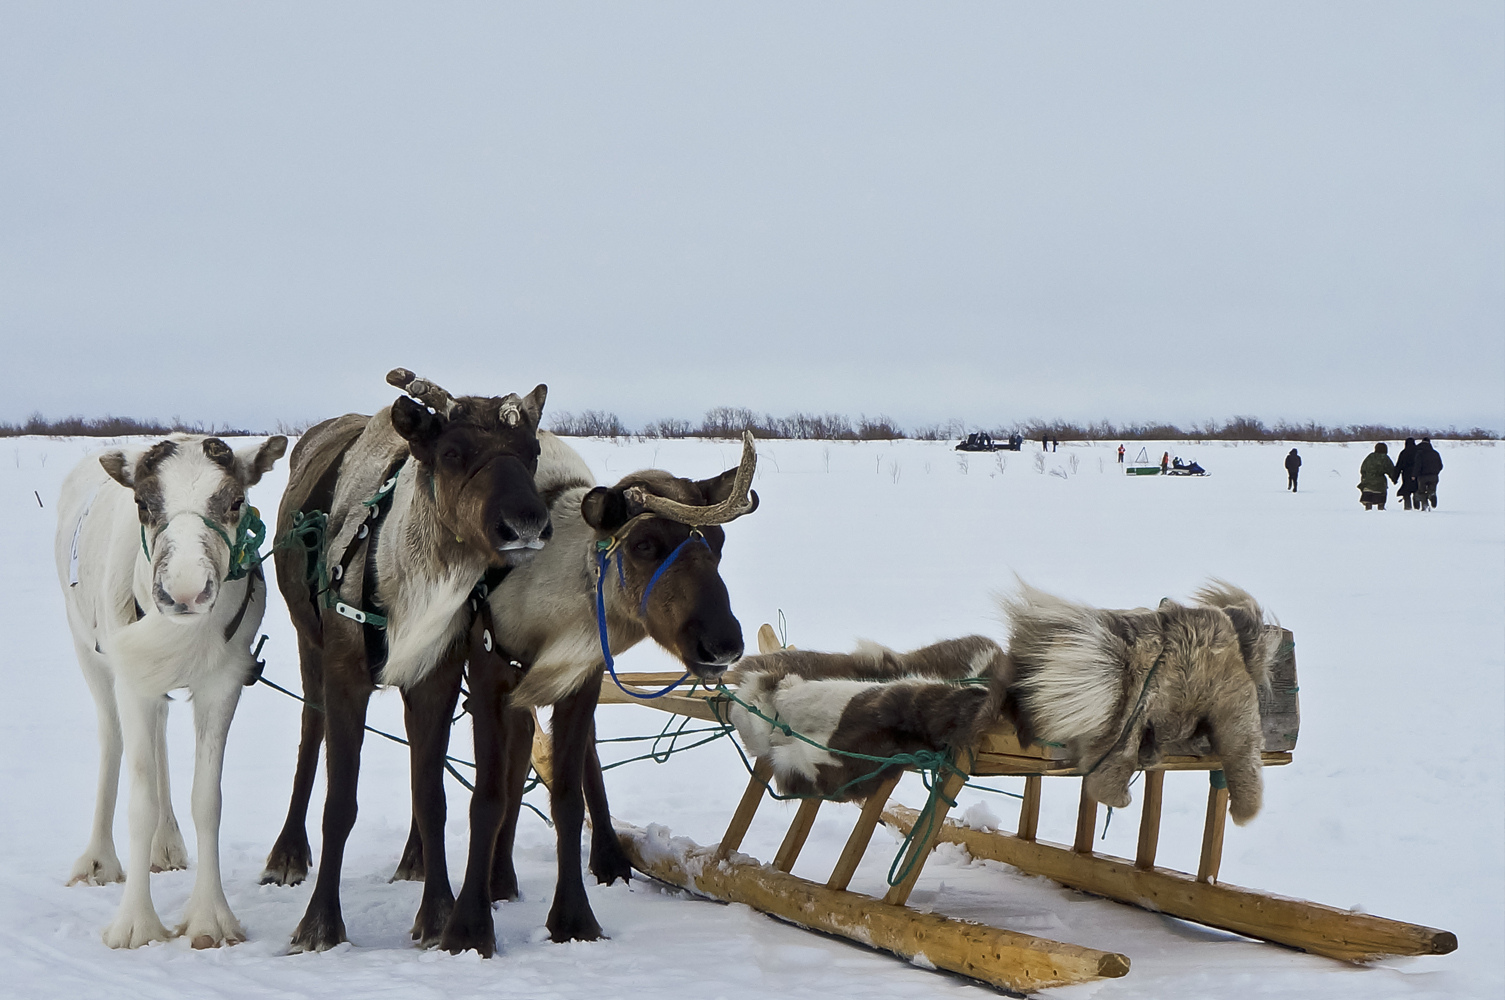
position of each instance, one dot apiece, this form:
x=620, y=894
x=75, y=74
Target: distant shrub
x=588, y=423
x=39, y=426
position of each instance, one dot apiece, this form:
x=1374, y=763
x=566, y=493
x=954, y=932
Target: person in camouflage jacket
x=1373, y=475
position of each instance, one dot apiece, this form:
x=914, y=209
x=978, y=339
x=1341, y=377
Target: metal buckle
x=354, y=614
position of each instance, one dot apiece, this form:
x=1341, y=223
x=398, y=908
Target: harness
x=245, y=557
x=370, y=615
x=605, y=549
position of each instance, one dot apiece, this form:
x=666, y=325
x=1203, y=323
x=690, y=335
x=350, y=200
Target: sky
x=245, y=214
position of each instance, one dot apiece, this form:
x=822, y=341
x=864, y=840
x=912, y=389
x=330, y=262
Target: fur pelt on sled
x=872, y=701
x=1080, y=673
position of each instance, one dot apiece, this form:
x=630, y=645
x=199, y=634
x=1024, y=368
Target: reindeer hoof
x=287, y=864
x=608, y=862
x=573, y=927
x=317, y=933
x=470, y=931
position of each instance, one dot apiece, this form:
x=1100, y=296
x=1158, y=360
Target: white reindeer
x=147, y=576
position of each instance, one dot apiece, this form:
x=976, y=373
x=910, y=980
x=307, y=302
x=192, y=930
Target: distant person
x=1165, y=463
x=1405, y=464
x=1055, y=444
x=1373, y=473
x=1120, y=454
x=1428, y=468
x=1293, y=469
x=1045, y=442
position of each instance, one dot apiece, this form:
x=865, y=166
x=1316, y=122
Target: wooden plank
x=1029, y=809
x=1313, y=927
x=696, y=708
x=1086, y=822
x=1212, y=832
x=921, y=846
x=768, y=639
x=1001, y=958
x=862, y=835
x=1149, y=819
x=752, y=797
x=794, y=837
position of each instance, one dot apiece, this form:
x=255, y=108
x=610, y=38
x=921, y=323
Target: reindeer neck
x=415, y=547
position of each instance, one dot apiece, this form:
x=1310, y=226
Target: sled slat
x=794, y=837
x=1149, y=819
x=1003, y=958
x=1212, y=834
x=757, y=784
x=862, y=835
x=1313, y=927
x=1029, y=809
x=1086, y=822
x=921, y=846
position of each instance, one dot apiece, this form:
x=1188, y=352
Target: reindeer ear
x=122, y=468
x=255, y=461
x=717, y=488
x=417, y=426
x=533, y=403
x=605, y=509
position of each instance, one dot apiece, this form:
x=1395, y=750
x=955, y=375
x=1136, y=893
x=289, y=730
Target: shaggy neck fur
x=423, y=576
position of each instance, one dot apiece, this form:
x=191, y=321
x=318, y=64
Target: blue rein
x=603, y=553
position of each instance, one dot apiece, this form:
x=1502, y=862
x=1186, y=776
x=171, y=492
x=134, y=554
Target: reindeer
x=158, y=598
x=644, y=553
x=423, y=500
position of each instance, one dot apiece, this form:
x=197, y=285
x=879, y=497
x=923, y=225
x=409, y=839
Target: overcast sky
x=240, y=213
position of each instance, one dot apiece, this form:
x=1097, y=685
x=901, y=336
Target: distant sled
x=985, y=442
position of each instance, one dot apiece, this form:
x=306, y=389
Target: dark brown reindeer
x=657, y=539
x=424, y=498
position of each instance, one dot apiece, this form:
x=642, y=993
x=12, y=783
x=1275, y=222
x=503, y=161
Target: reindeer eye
x=451, y=455
x=236, y=504
x=644, y=549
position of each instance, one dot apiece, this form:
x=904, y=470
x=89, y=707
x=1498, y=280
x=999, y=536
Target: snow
x=1394, y=804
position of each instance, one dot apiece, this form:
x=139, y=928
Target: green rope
x=931, y=765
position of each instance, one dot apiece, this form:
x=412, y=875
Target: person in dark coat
x=1293, y=469
x=1428, y=467
x=1405, y=464
x=1373, y=473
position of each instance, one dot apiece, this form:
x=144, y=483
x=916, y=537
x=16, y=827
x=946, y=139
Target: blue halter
x=604, y=550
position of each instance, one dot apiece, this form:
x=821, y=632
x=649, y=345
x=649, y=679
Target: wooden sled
x=1005, y=958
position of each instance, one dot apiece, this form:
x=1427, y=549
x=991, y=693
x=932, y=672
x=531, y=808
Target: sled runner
x=1005, y=958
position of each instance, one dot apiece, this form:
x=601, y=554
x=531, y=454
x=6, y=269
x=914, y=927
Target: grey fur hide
x=872, y=701
x=1081, y=672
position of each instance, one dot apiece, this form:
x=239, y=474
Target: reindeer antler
x=421, y=389
x=733, y=507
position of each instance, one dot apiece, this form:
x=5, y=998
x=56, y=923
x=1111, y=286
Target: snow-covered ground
x=1393, y=804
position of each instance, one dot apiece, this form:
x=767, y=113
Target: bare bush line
x=111, y=427
x=730, y=422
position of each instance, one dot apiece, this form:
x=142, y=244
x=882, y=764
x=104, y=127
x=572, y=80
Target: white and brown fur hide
x=1081, y=672
x=873, y=701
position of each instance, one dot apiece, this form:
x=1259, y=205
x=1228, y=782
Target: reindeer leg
x=99, y=863
x=608, y=862
x=570, y=918
x=347, y=690
x=136, y=921
x=429, y=706
x=288, y=862
x=410, y=865
x=517, y=727
x=470, y=925
x=207, y=920
x=169, y=853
